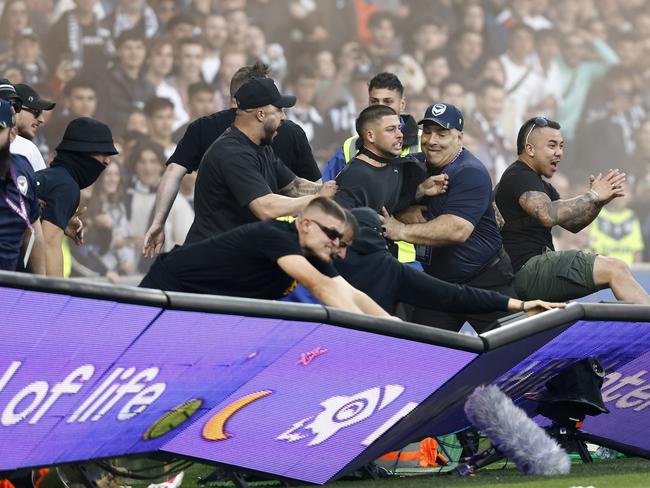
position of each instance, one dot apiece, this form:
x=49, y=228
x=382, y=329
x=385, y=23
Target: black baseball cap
x=444, y=114
x=31, y=99
x=258, y=92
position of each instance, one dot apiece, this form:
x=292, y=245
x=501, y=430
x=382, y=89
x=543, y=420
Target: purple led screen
x=83, y=378
x=321, y=404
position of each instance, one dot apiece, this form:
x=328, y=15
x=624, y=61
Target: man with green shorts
x=531, y=207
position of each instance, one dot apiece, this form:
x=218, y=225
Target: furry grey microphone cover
x=511, y=431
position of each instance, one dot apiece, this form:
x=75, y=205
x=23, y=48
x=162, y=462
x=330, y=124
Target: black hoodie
x=371, y=268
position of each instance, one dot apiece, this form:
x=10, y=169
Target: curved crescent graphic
x=214, y=429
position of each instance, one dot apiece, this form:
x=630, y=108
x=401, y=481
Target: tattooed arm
x=576, y=213
x=300, y=187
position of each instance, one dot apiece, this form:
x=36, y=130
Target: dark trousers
x=497, y=275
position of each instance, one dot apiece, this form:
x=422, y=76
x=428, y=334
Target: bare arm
x=445, y=230
x=36, y=263
x=53, y=237
x=334, y=292
x=300, y=187
x=576, y=213
x=165, y=196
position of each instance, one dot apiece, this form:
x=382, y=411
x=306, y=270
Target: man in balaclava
x=81, y=156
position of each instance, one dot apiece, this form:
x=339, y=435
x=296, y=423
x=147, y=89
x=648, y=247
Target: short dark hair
x=154, y=104
x=179, y=19
x=194, y=40
x=328, y=207
x=371, y=114
x=199, y=87
x=388, y=81
x=76, y=83
x=523, y=131
x=487, y=84
x=145, y=144
x=245, y=73
x=378, y=17
x=129, y=35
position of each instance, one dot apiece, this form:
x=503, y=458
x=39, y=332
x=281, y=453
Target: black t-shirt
x=234, y=172
x=241, y=262
x=523, y=235
x=60, y=192
x=290, y=144
x=361, y=184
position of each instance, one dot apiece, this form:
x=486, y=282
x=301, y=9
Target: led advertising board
x=83, y=378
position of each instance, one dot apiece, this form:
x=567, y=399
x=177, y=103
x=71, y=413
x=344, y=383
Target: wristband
x=522, y=306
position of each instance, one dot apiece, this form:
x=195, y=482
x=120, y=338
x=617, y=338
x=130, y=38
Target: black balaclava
x=82, y=166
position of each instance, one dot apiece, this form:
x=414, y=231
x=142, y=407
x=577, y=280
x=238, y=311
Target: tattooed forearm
x=573, y=214
x=300, y=187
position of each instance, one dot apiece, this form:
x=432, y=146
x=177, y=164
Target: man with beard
x=28, y=121
x=19, y=210
x=81, y=156
x=290, y=145
x=240, y=179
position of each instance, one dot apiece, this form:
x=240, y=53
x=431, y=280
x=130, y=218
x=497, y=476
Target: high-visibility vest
x=406, y=250
x=617, y=235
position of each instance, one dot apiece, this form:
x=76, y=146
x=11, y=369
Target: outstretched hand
x=609, y=186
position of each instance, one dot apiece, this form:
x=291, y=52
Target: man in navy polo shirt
x=457, y=236
x=20, y=230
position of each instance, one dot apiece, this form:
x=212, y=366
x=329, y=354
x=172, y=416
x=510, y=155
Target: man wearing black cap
x=20, y=229
x=240, y=179
x=290, y=145
x=28, y=120
x=81, y=156
x=457, y=238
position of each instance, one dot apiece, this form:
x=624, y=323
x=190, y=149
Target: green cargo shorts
x=556, y=276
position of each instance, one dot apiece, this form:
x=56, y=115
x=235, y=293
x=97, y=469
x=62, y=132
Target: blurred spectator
x=522, y=12
x=452, y=91
x=384, y=46
x=165, y=11
x=27, y=58
x=137, y=121
x=79, y=100
x=160, y=62
x=429, y=37
x=187, y=71
x=237, y=23
x=79, y=38
x=215, y=34
x=201, y=104
x=147, y=163
x=132, y=15
x=436, y=70
x=109, y=244
x=14, y=19
x=579, y=70
x=125, y=87
x=160, y=118
x=548, y=69
x=231, y=60
x=181, y=27
x=304, y=113
x=493, y=145
x=28, y=121
x=466, y=57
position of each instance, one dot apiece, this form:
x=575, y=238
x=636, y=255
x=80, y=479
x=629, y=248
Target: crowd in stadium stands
x=149, y=68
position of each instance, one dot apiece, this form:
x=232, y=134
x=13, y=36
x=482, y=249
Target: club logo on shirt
x=439, y=109
x=21, y=181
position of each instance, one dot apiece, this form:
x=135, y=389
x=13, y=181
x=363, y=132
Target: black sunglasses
x=538, y=122
x=332, y=234
x=36, y=113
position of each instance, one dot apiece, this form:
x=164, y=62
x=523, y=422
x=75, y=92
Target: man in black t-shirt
x=240, y=179
x=290, y=146
x=266, y=260
x=531, y=206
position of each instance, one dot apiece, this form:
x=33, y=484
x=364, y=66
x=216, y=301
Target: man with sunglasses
x=28, y=121
x=531, y=207
x=267, y=260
